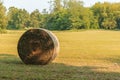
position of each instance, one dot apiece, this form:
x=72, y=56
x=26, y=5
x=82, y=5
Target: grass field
x=84, y=55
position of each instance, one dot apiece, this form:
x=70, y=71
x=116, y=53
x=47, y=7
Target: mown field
x=84, y=55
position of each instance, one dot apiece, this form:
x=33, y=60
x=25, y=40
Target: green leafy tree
x=109, y=24
x=107, y=14
x=117, y=18
x=57, y=5
x=3, y=18
x=17, y=18
x=12, y=18
x=75, y=9
x=69, y=14
x=97, y=10
x=64, y=15
x=24, y=18
x=35, y=19
x=59, y=18
x=116, y=13
x=58, y=21
x=88, y=19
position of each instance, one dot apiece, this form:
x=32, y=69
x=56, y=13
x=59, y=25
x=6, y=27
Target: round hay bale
x=38, y=46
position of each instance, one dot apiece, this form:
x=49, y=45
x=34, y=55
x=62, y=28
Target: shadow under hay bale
x=38, y=46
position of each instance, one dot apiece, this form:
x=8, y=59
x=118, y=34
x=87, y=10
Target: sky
x=31, y=5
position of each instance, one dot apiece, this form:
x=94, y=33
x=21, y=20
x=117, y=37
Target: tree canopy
x=63, y=15
x=3, y=18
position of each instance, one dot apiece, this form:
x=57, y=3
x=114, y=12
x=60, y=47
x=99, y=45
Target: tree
x=88, y=19
x=107, y=14
x=57, y=5
x=69, y=14
x=35, y=19
x=58, y=21
x=12, y=18
x=3, y=18
x=109, y=24
x=64, y=15
x=117, y=18
x=17, y=18
x=25, y=18
x=116, y=13
x=75, y=9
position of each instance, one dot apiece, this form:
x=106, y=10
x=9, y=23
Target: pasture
x=84, y=55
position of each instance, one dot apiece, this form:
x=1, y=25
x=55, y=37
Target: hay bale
x=38, y=46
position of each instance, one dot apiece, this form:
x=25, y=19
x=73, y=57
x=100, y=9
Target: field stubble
x=84, y=55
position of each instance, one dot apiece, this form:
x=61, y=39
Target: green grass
x=84, y=55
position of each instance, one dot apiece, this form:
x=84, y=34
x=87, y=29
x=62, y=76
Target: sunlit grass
x=8, y=42
x=90, y=48
x=84, y=55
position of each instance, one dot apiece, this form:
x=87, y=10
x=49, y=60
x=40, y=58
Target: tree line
x=63, y=15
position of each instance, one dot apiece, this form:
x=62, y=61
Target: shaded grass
x=13, y=69
x=84, y=55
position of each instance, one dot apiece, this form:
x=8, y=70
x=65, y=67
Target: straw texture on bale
x=38, y=46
